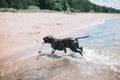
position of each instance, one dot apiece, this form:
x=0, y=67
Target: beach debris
x=58, y=23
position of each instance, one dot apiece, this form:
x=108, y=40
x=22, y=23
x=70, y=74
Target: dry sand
x=21, y=30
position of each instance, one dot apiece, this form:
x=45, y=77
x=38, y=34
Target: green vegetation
x=30, y=9
x=8, y=10
x=58, y=5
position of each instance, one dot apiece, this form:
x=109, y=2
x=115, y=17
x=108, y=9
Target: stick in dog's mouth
x=40, y=51
x=41, y=47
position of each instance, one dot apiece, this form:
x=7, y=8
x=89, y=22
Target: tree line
x=59, y=5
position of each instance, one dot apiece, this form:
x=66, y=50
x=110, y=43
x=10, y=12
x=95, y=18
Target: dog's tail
x=82, y=37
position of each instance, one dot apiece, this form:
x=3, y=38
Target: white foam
x=89, y=57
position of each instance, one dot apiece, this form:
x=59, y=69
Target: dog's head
x=48, y=39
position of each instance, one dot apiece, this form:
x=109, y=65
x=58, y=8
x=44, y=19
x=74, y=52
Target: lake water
x=101, y=60
x=106, y=34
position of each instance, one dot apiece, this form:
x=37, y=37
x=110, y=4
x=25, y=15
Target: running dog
x=62, y=44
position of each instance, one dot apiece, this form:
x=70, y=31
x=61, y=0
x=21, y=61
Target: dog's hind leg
x=75, y=50
x=80, y=53
x=76, y=45
x=81, y=48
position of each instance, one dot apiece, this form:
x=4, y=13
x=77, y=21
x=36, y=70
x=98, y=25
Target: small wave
x=90, y=56
x=92, y=59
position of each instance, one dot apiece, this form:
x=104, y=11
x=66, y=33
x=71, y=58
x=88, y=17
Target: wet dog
x=62, y=44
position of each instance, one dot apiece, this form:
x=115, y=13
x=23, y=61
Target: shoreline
x=86, y=26
x=59, y=23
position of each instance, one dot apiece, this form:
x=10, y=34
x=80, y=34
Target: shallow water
x=101, y=60
x=106, y=34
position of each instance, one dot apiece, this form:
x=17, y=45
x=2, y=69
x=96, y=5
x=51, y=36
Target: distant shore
x=21, y=30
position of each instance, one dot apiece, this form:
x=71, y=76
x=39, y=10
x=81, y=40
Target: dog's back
x=68, y=41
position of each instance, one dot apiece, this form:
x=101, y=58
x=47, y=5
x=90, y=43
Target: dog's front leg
x=53, y=51
x=65, y=50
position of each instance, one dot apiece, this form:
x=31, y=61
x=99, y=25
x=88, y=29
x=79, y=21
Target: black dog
x=62, y=44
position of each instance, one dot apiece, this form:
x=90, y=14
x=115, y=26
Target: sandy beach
x=21, y=30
